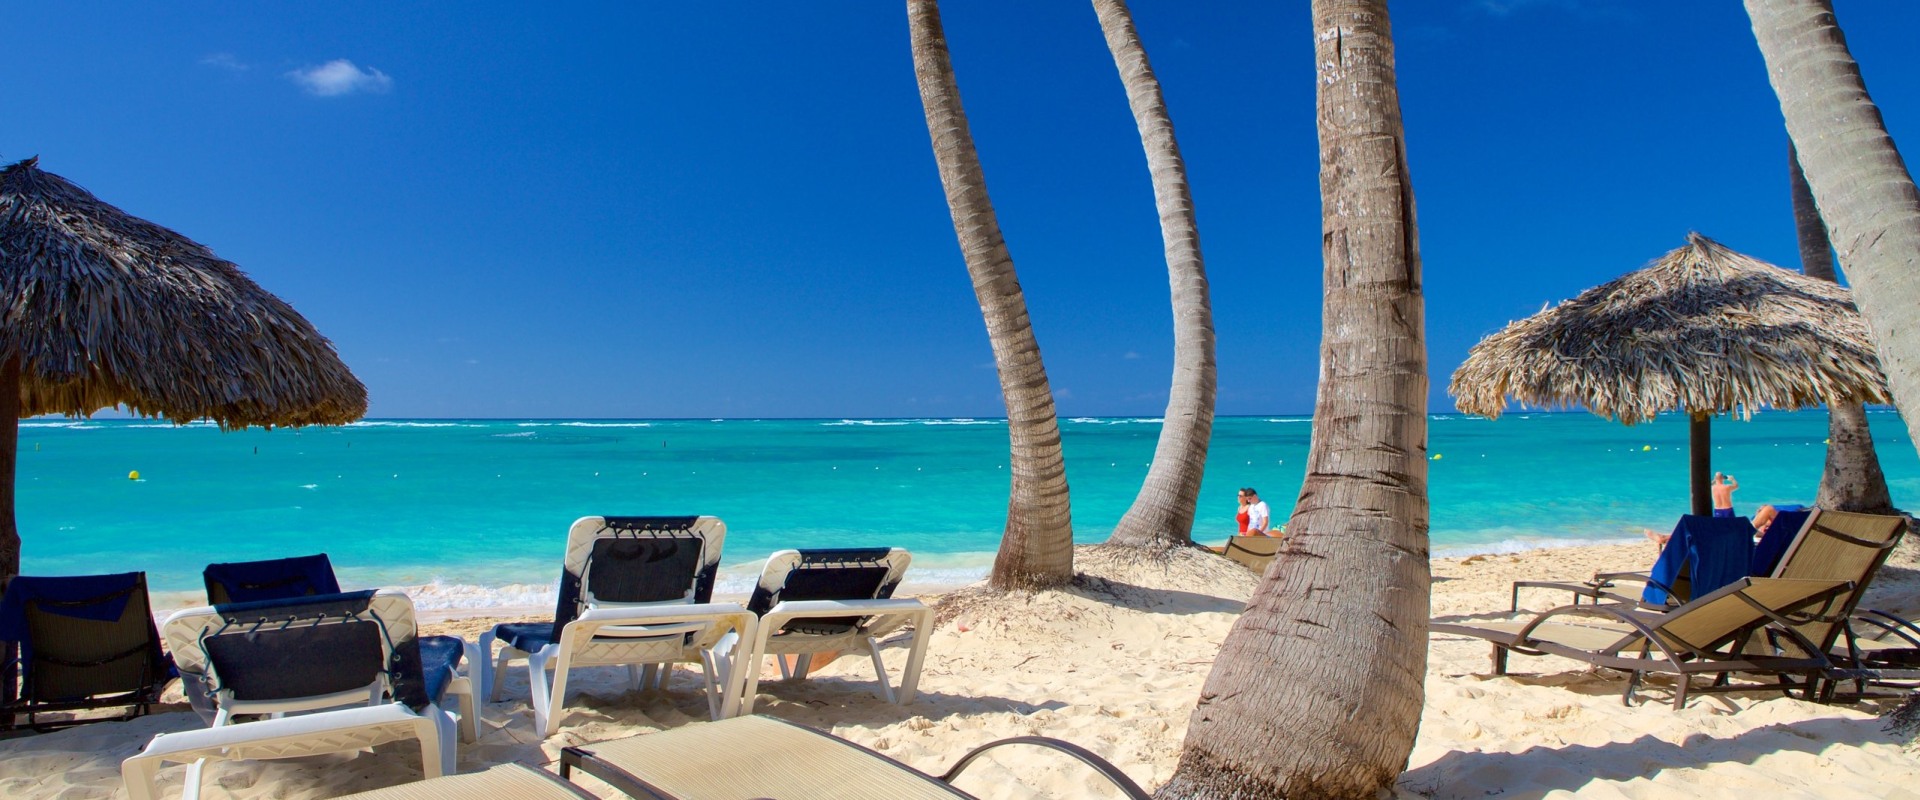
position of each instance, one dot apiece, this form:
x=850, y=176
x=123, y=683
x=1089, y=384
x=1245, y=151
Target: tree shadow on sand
x=1539, y=770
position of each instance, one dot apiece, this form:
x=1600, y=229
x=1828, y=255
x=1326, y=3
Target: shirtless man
x=1722, y=489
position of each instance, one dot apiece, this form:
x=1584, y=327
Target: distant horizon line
x=1068, y=418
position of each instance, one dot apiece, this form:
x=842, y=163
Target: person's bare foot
x=1656, y=538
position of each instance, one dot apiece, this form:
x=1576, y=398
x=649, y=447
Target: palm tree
x=1162, y=514
x=1318, y=688
x=1037, y=549
x=1864, y=192
x=1853, y=480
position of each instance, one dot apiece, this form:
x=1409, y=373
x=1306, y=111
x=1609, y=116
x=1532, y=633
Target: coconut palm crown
x=1703, y=329
x=103, y=309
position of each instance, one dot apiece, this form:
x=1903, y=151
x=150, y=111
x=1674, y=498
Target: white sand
x=1121, y=678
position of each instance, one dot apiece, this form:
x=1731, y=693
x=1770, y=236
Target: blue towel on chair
x=1716, y=551
x=1773, y=545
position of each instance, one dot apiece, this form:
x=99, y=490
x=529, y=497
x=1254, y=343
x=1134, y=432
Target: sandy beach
x=1116, y=664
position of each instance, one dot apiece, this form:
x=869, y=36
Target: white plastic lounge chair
x=826, y=601
x=503, y=782
x=752, y=757
x=633, y=593
x=352, y=660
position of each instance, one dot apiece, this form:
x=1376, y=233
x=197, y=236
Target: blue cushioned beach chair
x=80, y=642
x=634, y=592
x=275, y=579
x=350, y=665
x=826, y=601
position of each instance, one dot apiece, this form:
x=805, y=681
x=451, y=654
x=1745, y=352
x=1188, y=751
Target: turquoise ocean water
x=479, y=508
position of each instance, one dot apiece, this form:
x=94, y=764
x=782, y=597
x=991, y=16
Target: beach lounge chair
x=634, y=592
x=1702, y=554
x=1256, y=552
x=275, y=579
x=288, y=578
x=80, y=643
x=503, y=782
x=1709, y=635
x=825, y=601
x=760, y=757
x=352, y=660
x=1839, y=545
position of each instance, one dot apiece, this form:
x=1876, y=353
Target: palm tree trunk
x=1318, y=688
x=1037, y=549
x=1864, y=192
x=1162, y=514
x=9, y=451
x=1853, y=480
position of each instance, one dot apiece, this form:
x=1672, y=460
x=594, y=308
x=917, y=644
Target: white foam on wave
x=516, y=435
x=877, y=423
x=1521, y=544
x=441, y=595
x=605, y=424
x=961, y=421
x=75, y=425
x=388, y=423
x=1288, y=419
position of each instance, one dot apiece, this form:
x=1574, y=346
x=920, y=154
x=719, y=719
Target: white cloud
x=225, y=61
x=341, y=77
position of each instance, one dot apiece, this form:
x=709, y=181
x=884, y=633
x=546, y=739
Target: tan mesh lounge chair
x=504, y=782
x=1707, y=636
x=1256, y=552
x=83, y=642
x=753, y=757
x=1839, y=545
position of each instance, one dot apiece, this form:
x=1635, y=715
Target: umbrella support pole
x=1700, y=462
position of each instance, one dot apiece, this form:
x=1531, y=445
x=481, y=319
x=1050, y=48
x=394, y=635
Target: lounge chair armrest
x=1104, y=767
x=662, y=614
x=866, y=608
x=189, y=744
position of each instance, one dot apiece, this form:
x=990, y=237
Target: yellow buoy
x=134, y=475
x=1645, y=447
x=1436, y=456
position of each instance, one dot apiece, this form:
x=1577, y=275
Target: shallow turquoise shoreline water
x=478, y=505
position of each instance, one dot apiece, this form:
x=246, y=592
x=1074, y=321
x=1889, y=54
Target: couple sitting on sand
x=1723, y=488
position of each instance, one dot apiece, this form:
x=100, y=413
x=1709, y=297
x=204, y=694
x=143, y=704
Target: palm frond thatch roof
x=1703, y=329
x=102, y=308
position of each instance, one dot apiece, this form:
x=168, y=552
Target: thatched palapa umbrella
x=1704, y=330
x=104, y=309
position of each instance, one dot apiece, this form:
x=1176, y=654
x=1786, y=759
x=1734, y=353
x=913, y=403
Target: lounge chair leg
x=191, y=789
x=634, y=680
x=1633, y=683
x=499, y=668
x=547, y=698
x=802, y=664
x=880, y=671
x=1680, y=691
x=1499, y=660
x=716, y=703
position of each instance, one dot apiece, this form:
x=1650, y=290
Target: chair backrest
x=1840, y=546
x=639, y=561
x=274, y=579
x=1787, y=526
x=312, y=646
x=82, y=636
x=1714, y=551
x=1740, y=607
x=859, y=573
x=1256, y=552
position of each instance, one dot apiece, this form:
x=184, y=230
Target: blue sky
x=731, y=209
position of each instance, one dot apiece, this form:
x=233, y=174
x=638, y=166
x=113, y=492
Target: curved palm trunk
x=1852, y=480
x=1162, y=514
x=1318, y=688
x=1866, y=197
x=1037, y=550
